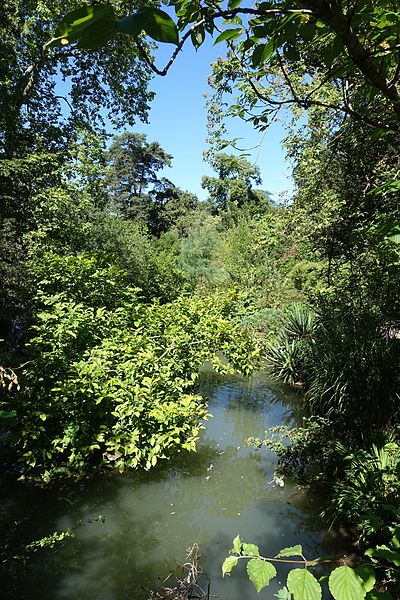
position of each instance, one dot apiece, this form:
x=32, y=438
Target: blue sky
x=178, y=123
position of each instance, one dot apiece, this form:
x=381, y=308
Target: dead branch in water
x=187, y=585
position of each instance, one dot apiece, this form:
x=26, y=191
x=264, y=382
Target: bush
x=110, y=380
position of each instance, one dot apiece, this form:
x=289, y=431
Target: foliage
x=133, y=165
x=293, y=39
x=344, y=582
x=367, y=491
x=198, y=255
x=110, y=379
x=233, y=188
x=288, y=356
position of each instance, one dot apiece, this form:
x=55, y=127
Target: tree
x=354, y=44
x=41, y=124
x=133, y=166
x=171, y=206
x=233, y=188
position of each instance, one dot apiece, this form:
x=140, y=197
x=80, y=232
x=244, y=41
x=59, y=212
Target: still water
x=132, y=529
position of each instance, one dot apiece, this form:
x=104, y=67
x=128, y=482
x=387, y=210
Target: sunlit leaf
x=229, y=34
x=260, y=572
x=237, y=545
x=228, y=564
x=344, y=584
x=303, y=585
x=250, y=549
x=291, y=551
x=75, y=22
x=155, y=22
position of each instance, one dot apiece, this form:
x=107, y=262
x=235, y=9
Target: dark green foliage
x=232, y=192
x=354, y=371
x=133, y=166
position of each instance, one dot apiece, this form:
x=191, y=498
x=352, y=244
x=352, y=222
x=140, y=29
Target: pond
x=132, y=529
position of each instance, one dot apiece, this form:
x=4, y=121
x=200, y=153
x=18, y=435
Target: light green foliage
x=49, y=541
x=260, y=572
x=110, y=379
x=345, y=583
x=198, y=255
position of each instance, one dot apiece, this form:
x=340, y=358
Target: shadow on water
x=132, y=529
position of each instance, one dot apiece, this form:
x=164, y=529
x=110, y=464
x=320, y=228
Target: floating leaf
x=291, y=551
x=344, y=584
x=260, y=572
x=228, y=564
x=303, y=585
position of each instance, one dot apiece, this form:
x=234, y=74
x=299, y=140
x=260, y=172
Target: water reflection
x=146, y=521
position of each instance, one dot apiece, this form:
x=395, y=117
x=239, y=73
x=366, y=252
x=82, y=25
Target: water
x=132, y=529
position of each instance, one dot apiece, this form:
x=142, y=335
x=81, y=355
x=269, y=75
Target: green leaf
x=131, y=25
x=234, y=3
x=396, y=538
x=98, y=34
x=291, y=551
x=386, y=553
x=76, y=21
x=237, y=545
x=394, y=235
x=155, y=22
x=228, y=564
x=229, y=34
x=7, y=414
x=303, y=585
x=250, y=550
x=367, y=574
x=198, y=37
x=263, y=52
x=260, y=572
x=344, y=584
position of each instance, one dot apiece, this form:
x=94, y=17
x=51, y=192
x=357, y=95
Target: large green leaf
x=7, y=414
x=384, y=552
x=98, y=34
x=76, y=21
x=303, y=585
x=260, y=572
x=228, y=564
x=155, y=22
x=367, y=575
x=229, y=34
x=291, y=551
x=344, y=584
